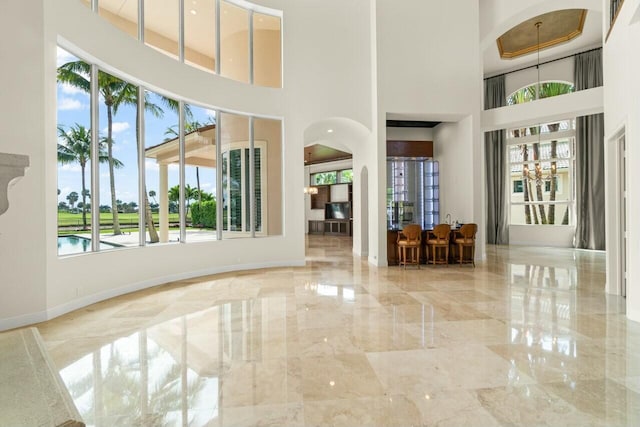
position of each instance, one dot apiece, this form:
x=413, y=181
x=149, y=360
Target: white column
x=164, y=203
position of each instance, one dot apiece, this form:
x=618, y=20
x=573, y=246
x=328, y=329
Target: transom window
x=343, y=176
x=547, y=90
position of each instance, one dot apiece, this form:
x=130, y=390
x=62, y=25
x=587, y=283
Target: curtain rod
x=543, y=63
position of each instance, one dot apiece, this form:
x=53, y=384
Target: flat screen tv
x=337, y=210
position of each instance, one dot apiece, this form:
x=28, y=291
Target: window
x=123, y=15
x=267, y=52
x=541, y=175
x=547, y=89
x=345, y=176
x=161, y=26
x=200, y=34
x=250, y=175
x=74, y=155
x=234, y=42
x=324, y=178
x=517, y=186
x=162, y=176
x=243, y=35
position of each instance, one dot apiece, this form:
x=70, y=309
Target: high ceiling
x=522, y=39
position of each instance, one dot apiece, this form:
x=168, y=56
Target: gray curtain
x=495, y=153
x=590, y=196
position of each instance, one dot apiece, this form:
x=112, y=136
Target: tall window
x=138, y=139
x=74, y=156
x=541, y=174
x=247, y=37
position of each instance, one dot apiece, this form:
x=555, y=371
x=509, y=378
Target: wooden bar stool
x=466, y=238
x=409, y=240
x=439, y=239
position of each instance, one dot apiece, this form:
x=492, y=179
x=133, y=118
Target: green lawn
x=66, y=219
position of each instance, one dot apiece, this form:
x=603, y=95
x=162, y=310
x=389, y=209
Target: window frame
x=543, y=137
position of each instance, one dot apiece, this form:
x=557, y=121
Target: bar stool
x=409, y=239
x=439, y=239
x=466, y=238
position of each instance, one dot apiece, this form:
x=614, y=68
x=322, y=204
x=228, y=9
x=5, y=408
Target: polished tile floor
x=527, y=338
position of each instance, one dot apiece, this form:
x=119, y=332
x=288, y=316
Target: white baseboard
x=633, y=315
x=23, y=320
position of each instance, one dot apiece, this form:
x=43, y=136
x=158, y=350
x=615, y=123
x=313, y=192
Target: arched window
x=547, y=89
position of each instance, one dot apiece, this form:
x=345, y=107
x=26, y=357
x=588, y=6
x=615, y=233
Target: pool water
x=68, y=245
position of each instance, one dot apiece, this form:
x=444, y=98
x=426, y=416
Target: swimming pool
x=68, y=245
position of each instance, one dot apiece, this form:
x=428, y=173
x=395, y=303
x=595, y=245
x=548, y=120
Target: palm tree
x=72, y=198
x=115, y=92
x=152, y=194
x=76, y=148
x=190, y=193
x=112, y=89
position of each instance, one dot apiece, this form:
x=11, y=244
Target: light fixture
x=329, y=130
x=537, y=174
x=193, y=12
x=310, y=190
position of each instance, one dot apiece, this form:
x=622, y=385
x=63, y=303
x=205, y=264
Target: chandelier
x=537, y=174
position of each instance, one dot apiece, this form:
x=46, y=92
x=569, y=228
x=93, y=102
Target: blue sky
x=73, y=107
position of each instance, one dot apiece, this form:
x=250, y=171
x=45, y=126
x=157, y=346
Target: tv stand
x=331, y=227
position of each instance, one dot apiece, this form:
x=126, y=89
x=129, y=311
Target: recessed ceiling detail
x=557, y=27
x=321, y=153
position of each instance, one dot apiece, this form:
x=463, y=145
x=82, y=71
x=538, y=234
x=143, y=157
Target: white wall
x=22, y=229
x=542, y=235
x=419, y=75
x=36, y=284
x=622, y=111
x=452, y=149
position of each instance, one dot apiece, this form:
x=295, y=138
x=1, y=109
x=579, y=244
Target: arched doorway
x=351, y=137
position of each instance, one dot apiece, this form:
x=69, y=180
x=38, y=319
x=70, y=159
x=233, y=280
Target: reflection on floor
x=526, y=338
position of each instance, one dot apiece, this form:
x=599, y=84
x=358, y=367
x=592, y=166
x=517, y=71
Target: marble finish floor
x=527, y=338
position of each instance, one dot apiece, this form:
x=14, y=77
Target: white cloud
x=72, y=90
x=71, y=167
x=66, y=104
x=117, y=127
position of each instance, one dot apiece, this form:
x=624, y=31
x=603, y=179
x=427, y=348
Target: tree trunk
x=565, y=218
x=153, y=233
x=538, y=171
x=151, y=227
x=84, y=197
x=525, y=185
x=554, y=171
x=535, y=212
x=112, y=180
x=554, y=180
